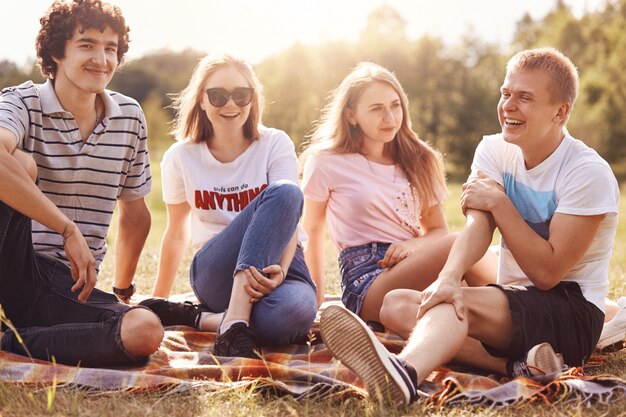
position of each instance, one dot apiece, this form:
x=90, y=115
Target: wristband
x=125, y=292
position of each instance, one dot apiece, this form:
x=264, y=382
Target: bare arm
x=433, y=222
x=134, y=226
x=18, y=191
x=173, y=245
x=544, y=262
x=313, y=221
x=434, y=226
x=469, y=247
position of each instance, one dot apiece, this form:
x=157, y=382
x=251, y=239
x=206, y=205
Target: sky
x=255, y=29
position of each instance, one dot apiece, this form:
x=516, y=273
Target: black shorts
x=560, y=316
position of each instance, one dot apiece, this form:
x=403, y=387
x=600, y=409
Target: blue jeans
x=258, y=237
x=36, y=297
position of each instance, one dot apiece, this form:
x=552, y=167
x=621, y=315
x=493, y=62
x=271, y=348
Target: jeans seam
x=28, y=312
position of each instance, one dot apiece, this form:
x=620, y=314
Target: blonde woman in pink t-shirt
x=379, y=188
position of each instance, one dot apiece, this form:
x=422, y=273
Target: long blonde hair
x=191, y=122
x=421, y=164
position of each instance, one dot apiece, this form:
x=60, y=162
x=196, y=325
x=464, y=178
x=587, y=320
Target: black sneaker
x=238, y=340
x=387, y=378
x=173, y=314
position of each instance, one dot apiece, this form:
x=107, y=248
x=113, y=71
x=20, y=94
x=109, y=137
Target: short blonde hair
x=191, y=122
x=562, y=72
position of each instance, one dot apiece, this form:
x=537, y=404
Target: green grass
x=29, y=402
x=18, y=400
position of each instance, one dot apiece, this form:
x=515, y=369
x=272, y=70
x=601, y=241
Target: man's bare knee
x=27, y=162
x=142, y=332
x=399, y=311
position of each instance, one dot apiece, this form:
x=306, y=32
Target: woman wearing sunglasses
x=234, y=182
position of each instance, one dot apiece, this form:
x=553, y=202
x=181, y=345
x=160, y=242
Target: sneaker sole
x=546, y=359
x=356, y=346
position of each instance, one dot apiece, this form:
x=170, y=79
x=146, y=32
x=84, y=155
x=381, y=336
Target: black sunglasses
x=218, y=97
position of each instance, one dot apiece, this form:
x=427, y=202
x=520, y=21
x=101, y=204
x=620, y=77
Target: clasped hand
x=259, y=285
x=442, y=291
x=480, y=193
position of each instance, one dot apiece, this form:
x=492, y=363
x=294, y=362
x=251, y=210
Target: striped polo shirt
x=83, y=178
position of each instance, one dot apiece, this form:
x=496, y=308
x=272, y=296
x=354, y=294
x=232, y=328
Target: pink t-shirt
x=367, y=201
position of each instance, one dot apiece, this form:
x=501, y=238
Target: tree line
x=453, y=89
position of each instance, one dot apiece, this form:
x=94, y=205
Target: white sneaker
x=614, y=331
x=541, y=359
x=387, y=378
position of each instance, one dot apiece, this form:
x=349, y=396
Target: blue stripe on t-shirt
x=536, y=207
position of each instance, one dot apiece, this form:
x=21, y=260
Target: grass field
x=26, y=401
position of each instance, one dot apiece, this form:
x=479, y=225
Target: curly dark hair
x=62, y=19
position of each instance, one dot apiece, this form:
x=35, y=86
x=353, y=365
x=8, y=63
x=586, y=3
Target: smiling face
x=529, y=115
x=378, y=114
x=89, y=61
x=230, y=116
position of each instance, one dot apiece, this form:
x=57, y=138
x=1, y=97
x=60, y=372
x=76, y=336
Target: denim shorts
x=358, y=269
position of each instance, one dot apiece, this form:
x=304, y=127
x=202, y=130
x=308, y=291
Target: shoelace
x=194, y=310
x=521, y=369
x=244, y=341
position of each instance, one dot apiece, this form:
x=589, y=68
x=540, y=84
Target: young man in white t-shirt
x=555, y=203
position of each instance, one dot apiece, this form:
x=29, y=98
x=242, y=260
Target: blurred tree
x=135, y=81
x=165, y=72
x=158, y=120
x=475, y=91
x=297, y=82
x=384, y=39
x=10, y=74
x=290, y=90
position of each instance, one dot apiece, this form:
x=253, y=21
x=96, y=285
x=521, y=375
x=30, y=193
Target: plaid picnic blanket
x=306, y=370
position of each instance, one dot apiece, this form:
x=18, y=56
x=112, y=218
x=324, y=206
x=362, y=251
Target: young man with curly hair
x=86, y=149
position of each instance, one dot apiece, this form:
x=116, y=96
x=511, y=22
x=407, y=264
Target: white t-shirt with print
x=573, y=180
x=217, y=192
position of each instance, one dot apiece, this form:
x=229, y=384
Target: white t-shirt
x=367, y=202
x=216, y=191
x=573, y=180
